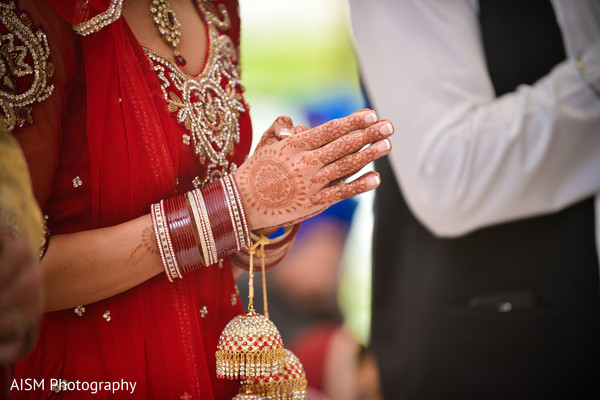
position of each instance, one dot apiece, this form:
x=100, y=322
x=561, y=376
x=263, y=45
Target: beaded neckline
x=209, y=104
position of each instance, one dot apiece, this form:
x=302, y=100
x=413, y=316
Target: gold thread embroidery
x=197, y=182
x=102, y=20
x=208, y=9
x=45, y=238
x=208, y=111
x=14, y=66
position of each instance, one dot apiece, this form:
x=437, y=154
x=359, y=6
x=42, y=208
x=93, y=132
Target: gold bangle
x=238, y=199
x=201, y=237
x=287, y=232
x=173, y=265
x=45, y=238
x=159, y=225
x=240, y=218
x=234, y=217
x=210, y=240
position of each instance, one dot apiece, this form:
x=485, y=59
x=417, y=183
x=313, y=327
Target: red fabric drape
x=118, y=137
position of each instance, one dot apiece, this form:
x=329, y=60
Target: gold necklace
x=168, y=26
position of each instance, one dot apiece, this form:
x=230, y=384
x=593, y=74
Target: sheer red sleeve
x=40, y=133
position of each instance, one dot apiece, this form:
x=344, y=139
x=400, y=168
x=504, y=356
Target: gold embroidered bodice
x=25, y=67
x=207, y=105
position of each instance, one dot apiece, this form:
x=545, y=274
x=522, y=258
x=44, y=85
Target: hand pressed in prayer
x=297, y=173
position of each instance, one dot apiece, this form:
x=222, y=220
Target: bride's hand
x=294, y=175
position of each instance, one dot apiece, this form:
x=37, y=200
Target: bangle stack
x=200, y=227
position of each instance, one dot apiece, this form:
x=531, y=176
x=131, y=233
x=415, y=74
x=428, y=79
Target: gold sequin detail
x=45, y=240
x=59, y=385
x=197, y=182
x=221, y=21
x=203, y=311
x=234, y=296
x=106, y=315
x=95, y=24
x=186, y=139
x=79, y=310
x=14, y=66
x=208, y=111
x=77, y=182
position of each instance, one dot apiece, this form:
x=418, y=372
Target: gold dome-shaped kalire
x=293, y=383
x=250, y=347
x=289, y=385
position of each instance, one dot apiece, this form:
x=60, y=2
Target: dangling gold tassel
x=250, y=346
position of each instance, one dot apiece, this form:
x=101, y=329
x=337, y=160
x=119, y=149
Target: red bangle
x=218, y=213
x=189, y=252
x=182, y=234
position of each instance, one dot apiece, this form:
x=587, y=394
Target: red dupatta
x=115, y=144
x=156, y=336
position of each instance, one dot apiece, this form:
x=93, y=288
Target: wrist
x=243, y=200
x=275, y=251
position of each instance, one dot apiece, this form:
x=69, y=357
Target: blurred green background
x=298, y=60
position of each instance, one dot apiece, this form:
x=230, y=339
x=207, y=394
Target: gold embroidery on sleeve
x=95, y=24
x=220, y=18
x=25, y=69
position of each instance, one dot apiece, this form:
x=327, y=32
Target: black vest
x=510, y=311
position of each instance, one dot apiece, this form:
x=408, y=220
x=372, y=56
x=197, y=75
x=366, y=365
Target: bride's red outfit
x=117, y=134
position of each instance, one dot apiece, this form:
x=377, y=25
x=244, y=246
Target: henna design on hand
x=273, y=187
x=148, y=242
x=345, y=167
x=328, y=132
x=341, y=192
x=343, y=146
x=272, y=183
x=288, y=178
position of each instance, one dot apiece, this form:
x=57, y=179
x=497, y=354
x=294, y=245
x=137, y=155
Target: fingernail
x=285, y=133
x=370, y=118
x=373, y=180
x=386, y=129
x=383, y=145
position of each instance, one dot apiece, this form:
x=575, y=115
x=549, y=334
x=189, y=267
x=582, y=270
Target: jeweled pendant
x=171, y=17
x=180, y=60
x=166, y=22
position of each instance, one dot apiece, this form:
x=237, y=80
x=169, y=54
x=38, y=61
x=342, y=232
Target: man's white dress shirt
x=464, y=158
